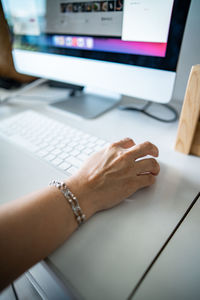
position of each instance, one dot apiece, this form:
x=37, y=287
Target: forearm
x=31, y=228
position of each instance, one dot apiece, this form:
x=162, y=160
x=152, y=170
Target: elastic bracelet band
x=73, y=201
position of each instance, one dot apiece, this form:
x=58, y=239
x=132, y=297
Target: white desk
x=108, y=255
x=176, y=273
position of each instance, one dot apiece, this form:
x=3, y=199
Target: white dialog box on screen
x=146, y=20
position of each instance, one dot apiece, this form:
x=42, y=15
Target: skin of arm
x=34, y=226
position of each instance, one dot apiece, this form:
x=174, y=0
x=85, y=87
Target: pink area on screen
x=142, y=48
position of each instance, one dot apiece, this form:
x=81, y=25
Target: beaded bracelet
x=73, y=201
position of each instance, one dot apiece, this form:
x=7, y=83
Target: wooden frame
x=188, y=136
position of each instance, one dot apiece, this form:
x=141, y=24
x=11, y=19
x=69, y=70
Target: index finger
x=125, y=143
x=144, y=149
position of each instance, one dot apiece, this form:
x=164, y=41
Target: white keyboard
x=62, y=146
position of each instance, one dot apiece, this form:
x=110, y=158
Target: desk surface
x=176, y=273
x=107, y=256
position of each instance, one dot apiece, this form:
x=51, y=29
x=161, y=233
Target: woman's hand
x=114, y=173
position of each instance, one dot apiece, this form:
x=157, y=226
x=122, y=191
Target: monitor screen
x=135, y=32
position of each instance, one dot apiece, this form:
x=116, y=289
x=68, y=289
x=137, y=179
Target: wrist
x=82, y=193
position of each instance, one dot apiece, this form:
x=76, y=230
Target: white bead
x=83, y=217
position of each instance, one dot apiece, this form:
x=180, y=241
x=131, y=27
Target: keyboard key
x=83, y=142
x=91, y=144
x=74, y=161
x=80, y=147
x=50, y=148
x=50, y=157
x=88, y=151
x=57, y=161
x=64, y=166
x=63, y=155
x=73, y=144
x=72, y=170
x=75, y=152
x=42, y=153
x=56, y=151
x=67, y=149
x=62, y=145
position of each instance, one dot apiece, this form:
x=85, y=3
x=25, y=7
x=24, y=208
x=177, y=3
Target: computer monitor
x=113, y=47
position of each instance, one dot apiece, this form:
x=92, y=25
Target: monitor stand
x=87, y=105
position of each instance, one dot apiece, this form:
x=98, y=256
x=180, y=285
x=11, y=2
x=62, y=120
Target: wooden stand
x=188, y=136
